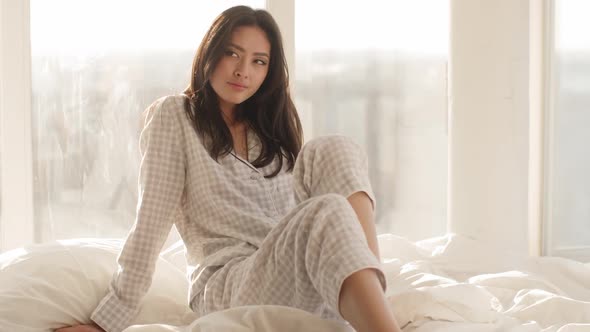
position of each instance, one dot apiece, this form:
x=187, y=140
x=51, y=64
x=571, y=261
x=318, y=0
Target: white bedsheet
x=450, y=283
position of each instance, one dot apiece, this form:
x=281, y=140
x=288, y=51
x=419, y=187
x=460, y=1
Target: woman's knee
x=331, y=200
x=322, y=207
x=331, y=205
x=324, y=162
x=330, y=143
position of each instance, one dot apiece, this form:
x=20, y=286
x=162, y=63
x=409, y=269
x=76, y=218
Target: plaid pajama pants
x=306, y=257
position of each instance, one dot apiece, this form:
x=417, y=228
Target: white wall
x=16, y=228
x=489, y=128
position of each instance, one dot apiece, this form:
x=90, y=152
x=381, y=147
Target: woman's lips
x=237, y=86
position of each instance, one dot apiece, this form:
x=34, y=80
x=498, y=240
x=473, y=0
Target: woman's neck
x=238, y=130
x=239, y=133
x=228, y=112
x=228, y=117
x=234, y=125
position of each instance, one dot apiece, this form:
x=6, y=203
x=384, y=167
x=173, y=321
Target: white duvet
x=449, y=283
x=453, y=283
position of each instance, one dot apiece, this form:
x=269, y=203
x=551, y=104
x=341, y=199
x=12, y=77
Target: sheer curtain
x=381, y=81
x=377, y=71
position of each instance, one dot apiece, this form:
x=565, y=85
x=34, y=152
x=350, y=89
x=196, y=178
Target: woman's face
x=242, y=68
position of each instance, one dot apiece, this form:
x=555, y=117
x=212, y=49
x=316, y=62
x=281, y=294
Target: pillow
x=52, y=285
x=255, y=318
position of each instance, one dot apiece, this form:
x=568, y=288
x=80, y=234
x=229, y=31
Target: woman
x=264, y=220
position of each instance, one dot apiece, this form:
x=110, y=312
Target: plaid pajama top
x=221, y=210
x=224, y=211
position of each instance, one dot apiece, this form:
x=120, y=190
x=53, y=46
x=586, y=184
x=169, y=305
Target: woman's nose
x=241, y=70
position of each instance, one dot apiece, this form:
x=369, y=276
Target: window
x=96, y=65
x=567, y=226
x=364, y=75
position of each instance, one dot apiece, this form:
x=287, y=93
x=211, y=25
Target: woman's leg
x=335, y=164
x=361, y=204
x=362, y=301
x=363, y=304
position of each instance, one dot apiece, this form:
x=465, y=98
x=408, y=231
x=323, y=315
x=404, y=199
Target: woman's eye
x=260, y=62
x=231, y=53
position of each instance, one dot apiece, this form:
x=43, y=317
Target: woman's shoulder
x=165, y=115
x=167, y=106
x=170, y=103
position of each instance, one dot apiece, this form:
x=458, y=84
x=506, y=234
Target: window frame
x=17, y=211
x=580, y=253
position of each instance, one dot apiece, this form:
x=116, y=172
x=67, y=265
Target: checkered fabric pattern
x=288, y=240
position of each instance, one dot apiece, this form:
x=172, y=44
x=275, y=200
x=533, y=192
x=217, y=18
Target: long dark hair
x=270, y=112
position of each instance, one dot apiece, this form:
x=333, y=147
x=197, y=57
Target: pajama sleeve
x=161, y=186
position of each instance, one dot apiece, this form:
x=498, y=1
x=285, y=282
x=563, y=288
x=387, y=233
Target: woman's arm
x=161, y=185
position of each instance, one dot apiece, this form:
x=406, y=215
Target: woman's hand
x=81, y=328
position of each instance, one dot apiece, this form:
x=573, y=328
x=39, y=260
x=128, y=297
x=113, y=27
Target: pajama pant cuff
x=370, y=262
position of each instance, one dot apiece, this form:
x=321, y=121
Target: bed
x=448, y=283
